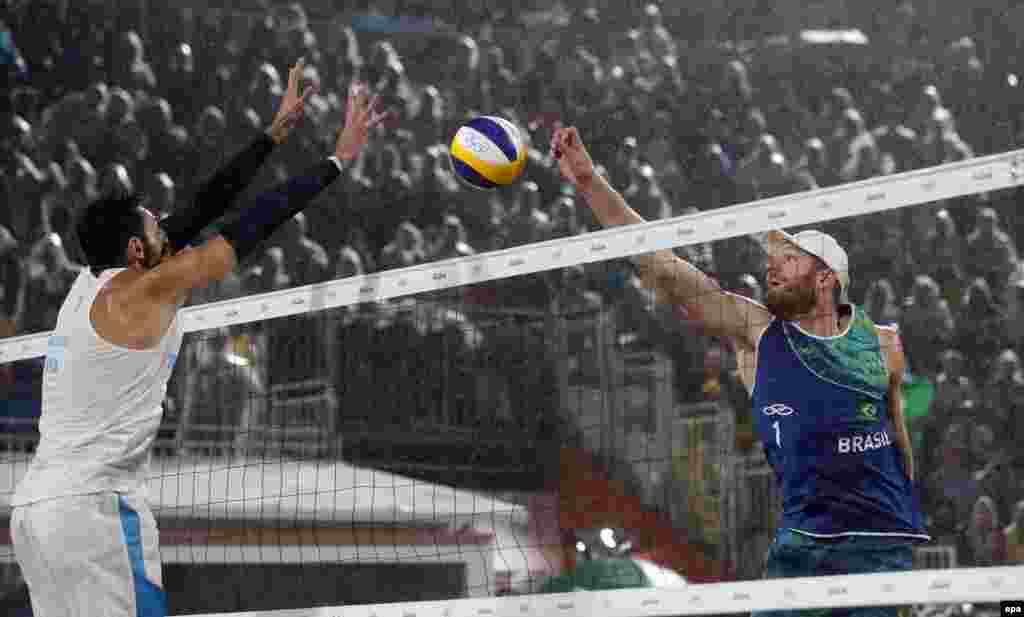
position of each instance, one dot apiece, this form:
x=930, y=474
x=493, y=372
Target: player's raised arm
x=247, y=229
x=216, y=195
x=896, y=362
x=674, y=280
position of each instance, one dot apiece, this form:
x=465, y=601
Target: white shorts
x=90, y=556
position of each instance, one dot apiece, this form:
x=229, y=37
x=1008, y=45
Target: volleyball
x=488, y=152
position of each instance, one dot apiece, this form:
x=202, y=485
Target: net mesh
x=553, y=431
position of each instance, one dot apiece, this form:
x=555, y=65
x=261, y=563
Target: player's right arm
x=674, y=280
x=216, y=195
x=192, y=268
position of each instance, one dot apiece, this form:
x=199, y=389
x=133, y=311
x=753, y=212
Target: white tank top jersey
x=102, y=405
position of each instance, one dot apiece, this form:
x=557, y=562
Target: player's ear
x=136, y=248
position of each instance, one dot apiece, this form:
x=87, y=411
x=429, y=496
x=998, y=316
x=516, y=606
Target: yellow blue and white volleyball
x=488, y=152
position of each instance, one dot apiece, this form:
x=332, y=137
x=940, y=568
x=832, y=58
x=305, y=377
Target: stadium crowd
x=681, y=122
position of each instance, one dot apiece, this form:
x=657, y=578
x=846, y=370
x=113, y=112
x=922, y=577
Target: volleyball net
x=528, y=431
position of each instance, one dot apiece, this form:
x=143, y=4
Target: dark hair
x=106, y=226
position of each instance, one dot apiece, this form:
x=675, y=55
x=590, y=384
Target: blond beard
x=789, y=303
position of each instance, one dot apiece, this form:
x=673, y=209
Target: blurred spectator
x=856, y=153
x=406, y=250
x=980, y=327
x=646, y=197
x=943, y=256
x=270, y=274
x=115, y=180
x=954, y=399
x=179, y=82
x=766, y=173
x=952, y=479
x=897, y=142
x=1003, y=400
x=990, y=464
x=355, y=238
x=207, y=147
x=50, y=275
x=953, y=387
x=527, y=223
x=161, y=196
x=168, y=142
x=564, y=220
x=945, y=529
x=120, y=127
x=392, y=193
x=1014, y=534
x=928, y=327
x=452, y=242
x=990, y=253
x=57, y=207
x=83, y=184
x=131, y=71
x=305, y=260
x=880, y=303
x=12, y=283
x=986, y=542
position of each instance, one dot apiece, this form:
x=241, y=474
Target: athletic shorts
x=793, y=555
x=90, y=556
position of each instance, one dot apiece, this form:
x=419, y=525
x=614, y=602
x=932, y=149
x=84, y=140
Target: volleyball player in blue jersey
x=825, y=387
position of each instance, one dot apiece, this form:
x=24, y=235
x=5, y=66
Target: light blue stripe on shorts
x=150, y=600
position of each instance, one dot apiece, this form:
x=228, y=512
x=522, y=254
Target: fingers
x=378, y=118
x=564, y=139
x=355, y=93
x=310, y=91
x=372, y=107
x=572, y=137
x=295, y=75
x=556, y=142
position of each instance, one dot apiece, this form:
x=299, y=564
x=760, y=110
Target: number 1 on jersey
x=778, y=433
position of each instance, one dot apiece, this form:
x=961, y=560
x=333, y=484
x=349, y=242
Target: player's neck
x=825, y=321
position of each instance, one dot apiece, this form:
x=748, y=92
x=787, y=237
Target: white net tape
x=968, y=177
x=975, y=585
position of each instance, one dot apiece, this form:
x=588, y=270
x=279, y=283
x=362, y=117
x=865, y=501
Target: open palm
x=361, y=115
x=573, y=159
x=293, y=105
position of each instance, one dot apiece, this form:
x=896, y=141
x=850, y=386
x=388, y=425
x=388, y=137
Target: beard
x=791, y=301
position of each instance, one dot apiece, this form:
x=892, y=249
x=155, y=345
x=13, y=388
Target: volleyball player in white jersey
x=83, y=533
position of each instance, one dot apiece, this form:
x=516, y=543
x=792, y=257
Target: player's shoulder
x=889, y=337
x=889, y=332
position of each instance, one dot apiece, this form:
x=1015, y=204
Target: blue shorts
x=793, y=555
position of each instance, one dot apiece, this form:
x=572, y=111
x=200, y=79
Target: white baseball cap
x=822, y=246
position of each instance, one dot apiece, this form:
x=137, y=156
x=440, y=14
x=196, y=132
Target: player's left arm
x=896, y=362
x=217, y=194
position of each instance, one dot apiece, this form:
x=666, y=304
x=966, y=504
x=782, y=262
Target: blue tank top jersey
x=822, y=413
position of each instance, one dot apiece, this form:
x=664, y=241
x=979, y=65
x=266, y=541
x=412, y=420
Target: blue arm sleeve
x=249, y=227
x=216, y=195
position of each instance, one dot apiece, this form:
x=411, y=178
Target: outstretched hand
x=293, y=106
x=361, y=115
x=573, y=160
